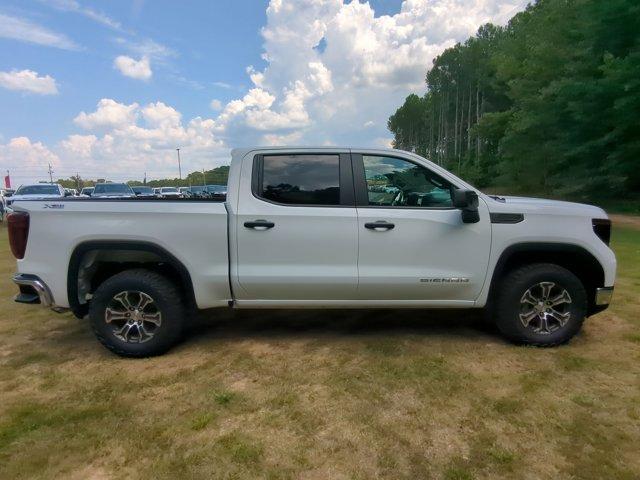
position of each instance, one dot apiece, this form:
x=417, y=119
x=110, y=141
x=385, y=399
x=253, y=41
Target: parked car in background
x=143, y=192
x=170, y=192
x=86, y=192
x=218, y=192
x=112, y=190
x=156, y=192
x=185, y=191
x=301, y=228
x=39, y=191
x=198, y=191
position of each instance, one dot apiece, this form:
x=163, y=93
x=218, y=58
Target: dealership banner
x=7, y=182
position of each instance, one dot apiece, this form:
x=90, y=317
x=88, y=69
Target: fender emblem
x=445, y=280
x=54, y=205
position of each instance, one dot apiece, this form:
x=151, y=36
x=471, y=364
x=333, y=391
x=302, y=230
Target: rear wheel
x=137, y=313
x=541, y=304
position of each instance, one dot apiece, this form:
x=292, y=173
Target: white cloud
x=182, y=80
x=27, y=157
x=223, y=85
x=255, y=77
x=273, y=139
x=147, y=48
x=26, y=31
x=129, y=67
x=76, y=7
x=160, y=115
x=131, y=139
x=109, y=114
x=344, y=91
x=215, y=104
x=28, y=81
x=79, y=145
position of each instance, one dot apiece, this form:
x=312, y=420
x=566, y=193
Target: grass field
x=324, y=395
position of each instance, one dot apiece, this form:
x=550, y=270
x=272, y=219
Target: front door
x=296, y=230
x=413, y=244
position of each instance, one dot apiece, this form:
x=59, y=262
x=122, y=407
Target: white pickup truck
x=315, y=228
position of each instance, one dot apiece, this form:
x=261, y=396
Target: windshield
x=197, y=189
x=169, y=190
x=38, y=190
x=87, y=190
x=143, y=189
x=113, y=188
x=216, y=188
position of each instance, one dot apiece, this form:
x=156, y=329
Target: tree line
x=548, y=104
x=216, y=176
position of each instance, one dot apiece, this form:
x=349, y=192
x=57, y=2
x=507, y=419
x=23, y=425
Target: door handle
x=379, y=226
x=259, y=225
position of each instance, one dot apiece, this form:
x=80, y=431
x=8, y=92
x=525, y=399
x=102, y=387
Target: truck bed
x=195, y=232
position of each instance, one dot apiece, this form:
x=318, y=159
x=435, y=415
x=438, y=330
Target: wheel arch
x=120, y=255
x=574, y=258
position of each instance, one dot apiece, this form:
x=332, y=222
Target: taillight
x=602, y=228
x=18, y=225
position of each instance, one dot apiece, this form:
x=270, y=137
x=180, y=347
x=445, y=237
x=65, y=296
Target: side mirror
x=467, y=201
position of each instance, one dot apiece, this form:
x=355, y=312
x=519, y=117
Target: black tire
x=165, y=330
x=512, y=311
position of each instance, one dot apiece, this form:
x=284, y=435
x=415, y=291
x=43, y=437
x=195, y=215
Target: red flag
x=7, y=182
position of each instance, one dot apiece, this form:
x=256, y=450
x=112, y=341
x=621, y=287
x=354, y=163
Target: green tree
x=548, y=104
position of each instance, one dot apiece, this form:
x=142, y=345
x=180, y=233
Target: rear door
x=296, y=227
x=413, y=244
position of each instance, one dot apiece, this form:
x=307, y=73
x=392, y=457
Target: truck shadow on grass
x=246, y=324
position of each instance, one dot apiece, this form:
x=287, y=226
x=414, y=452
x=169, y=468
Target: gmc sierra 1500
x=315, y=227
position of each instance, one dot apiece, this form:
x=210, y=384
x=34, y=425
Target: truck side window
x=394, y=182
x=301, y=179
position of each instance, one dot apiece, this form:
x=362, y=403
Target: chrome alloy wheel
x=544, y=307
x=133, y=316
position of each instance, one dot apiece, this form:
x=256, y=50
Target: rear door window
x=304, y=179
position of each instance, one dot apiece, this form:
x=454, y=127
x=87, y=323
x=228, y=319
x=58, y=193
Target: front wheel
x=541, y=304
x=137, y=313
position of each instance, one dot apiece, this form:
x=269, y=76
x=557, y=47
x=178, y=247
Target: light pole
x=179, y=166
x=204, y=178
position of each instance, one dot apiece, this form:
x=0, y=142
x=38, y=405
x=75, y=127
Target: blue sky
x=111, y=88
x=208, y=42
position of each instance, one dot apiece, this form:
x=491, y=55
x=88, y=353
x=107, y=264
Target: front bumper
x=34, y=291
x=603, y=296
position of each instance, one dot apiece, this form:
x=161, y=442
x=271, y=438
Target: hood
x=542, y=206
